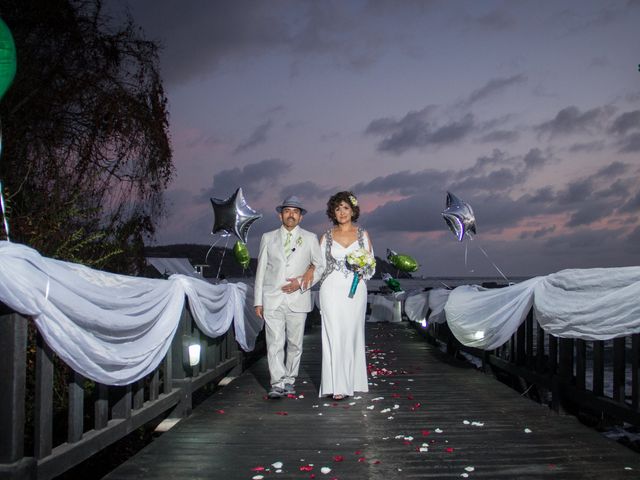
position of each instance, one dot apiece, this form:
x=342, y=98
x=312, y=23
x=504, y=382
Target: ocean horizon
x=416, y=284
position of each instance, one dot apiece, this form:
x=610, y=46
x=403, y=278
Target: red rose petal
x=362, y=459
x=448, y=450
x=376, y=462
x=306, y=468
x=425, y=433
x=282, y=413
x=258, y=469
x=358, y=452
x=338, y=458
x=220, y=411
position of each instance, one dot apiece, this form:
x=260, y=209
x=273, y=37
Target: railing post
x=619, y=345
x=13, y=374
x=76, y=407
x=540, y=355
x=529, y=344
x=635, y=370
x=43, y=425
x=179, y=374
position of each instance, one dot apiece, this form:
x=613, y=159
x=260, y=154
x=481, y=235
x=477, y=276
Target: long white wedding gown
x=344, y=365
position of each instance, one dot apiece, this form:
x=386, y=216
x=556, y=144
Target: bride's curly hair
x=347, y=197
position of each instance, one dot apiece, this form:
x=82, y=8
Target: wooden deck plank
x=429, y=393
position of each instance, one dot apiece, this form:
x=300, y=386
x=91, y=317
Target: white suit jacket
x=274, y=268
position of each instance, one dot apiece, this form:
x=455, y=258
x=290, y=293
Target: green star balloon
x=7, y=58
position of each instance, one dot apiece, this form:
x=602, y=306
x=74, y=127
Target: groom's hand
x=292, y=286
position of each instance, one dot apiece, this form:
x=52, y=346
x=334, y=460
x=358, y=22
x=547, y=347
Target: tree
x=86, y=152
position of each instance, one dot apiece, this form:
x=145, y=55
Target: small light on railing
x=479, y=335
x=194, y=354
x=424, y=323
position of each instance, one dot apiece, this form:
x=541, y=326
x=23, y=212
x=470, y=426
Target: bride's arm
x=366, y=234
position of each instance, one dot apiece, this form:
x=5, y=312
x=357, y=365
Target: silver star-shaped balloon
x=459, y=216
x=233, y=216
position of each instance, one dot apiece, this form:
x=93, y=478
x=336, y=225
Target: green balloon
x=7, y=58
x=404, y=263
x=241, y=253
x=394, y=285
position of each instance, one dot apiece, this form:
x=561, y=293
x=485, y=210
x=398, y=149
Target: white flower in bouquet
x=361, y=261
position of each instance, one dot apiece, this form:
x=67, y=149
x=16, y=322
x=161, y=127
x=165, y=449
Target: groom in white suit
x=289, y=263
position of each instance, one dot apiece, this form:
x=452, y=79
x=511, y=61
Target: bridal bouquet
x=362, y=264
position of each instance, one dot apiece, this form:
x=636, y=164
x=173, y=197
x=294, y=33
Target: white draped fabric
x=591, y=304
x=169, y=266
x=486, y=318
x=115, y=329
x=437, y=300
x=416, y=306
x=588, y=304
x=384, y=309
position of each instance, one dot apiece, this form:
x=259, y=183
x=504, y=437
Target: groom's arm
x=317, y=260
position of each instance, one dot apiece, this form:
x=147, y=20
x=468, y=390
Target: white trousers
x=282, y=326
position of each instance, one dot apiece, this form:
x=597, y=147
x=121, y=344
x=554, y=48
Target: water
x=410, y=284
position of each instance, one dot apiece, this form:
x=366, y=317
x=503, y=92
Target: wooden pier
x=425, y=416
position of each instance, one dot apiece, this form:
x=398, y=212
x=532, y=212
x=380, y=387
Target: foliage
x=86, y=154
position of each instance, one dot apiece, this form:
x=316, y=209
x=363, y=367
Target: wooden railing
x=33, y=441
x=600, y=379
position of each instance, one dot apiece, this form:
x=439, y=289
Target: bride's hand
x=307, y=278
x=292, y=286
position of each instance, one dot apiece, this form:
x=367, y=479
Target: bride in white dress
x=344, y=366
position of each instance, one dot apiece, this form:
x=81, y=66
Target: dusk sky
x=527, y=110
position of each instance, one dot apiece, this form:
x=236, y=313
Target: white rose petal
x=469, y=469
x=464, y=475
x=277, y=465
x=257, y=477
x=424, y=449
x=409, y=438
x=386, y=410
x=437, y=430
x=466, y=422
x=526, y=430
x=325, y=470
x=371, y=407
x=352, y=403
x=389, y=418
x=398, y=437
